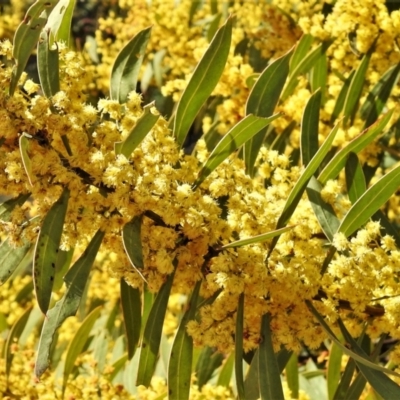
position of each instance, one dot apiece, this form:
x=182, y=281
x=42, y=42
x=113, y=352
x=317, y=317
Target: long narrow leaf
x=383, y=385
x=152, y=334
x=251, y=382
x=10, y=258
x=292, y=375
x=46, y=250
x=47, y=63
x=257, y=239
x=67, y=306
x=132, y=311
x=142, y=127
x=27, y=36
x=377, y=195
x=236, y=137
x=300, y=52
x=203, y=81
x=262, y=100
x=77, y=343
x=126, y=67
x=59, y=22
x=309, y=128
x=324, y=212
x=341, y=98
x=319, y=76
x=268, y=370
x=355, y=179
x=225, y=376
x=239, y=349
x=180, y=361
x=334, y=369
x=338, y=162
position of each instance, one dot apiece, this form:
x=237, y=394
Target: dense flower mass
x=71, y=141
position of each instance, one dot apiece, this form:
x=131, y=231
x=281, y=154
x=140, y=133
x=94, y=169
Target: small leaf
x=132, y=311
x=203, y=81
x=262, y=100
x=209, y=361
x=345, y=381
x=383, y=385
x=337, y=163
x=334, y=369
x=10, y=258
x=26, y=161
x=257, y=239
x=319, y=77
x=152, y=334
x=142, y=127
x=125, y=71
x=27, y=36
x=239, y=349
x=46, y=251
x=180, y=361
x=268, y=370
x=77, y=344
x=235, y=138
x=251, y=383
x=67, y=306
x=324, y=212
x=378, y=96
x=63, y=263
x=13, y=336
x=47, y=64
x=59, y=22
x=377, y=195
x=309, y=128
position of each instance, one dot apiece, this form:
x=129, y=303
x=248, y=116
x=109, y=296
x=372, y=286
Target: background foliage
x=202, y=199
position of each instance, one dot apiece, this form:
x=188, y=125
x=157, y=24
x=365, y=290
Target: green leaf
x=239, y=349
x=46, y=250
x=63, y=263
x=309, y=128
x=13, y=336
x=300, y=52
x=355, y=88
x=47, y=65
x=235, y=138
x=301, y=184
x=268, y=370
x=117, y=366
x=27, y=36
x=355, y=180
x=142, y=127
x=26, y=161
x=381, y=383
x=262, y=100
x=152, y=334
x=324, y=212
x=292, y=375
x=337, y=163
x=125, y=71
x=341, y=98
x=307, y=62
x=8, y=206
x=77, y=344
x=10, y=258
x=209, y=361
x=225, y=376
x=203, y=81
x=319, y=76
x=334, y=369
x=352, y=351
x=377, y=195
x=59, y=22
x=344, y=384
x=180, y=361
x=67, y=306
x=212, y=29
x=378, y=96
x=251, y=383
x=132, y=311
x=257, y=239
